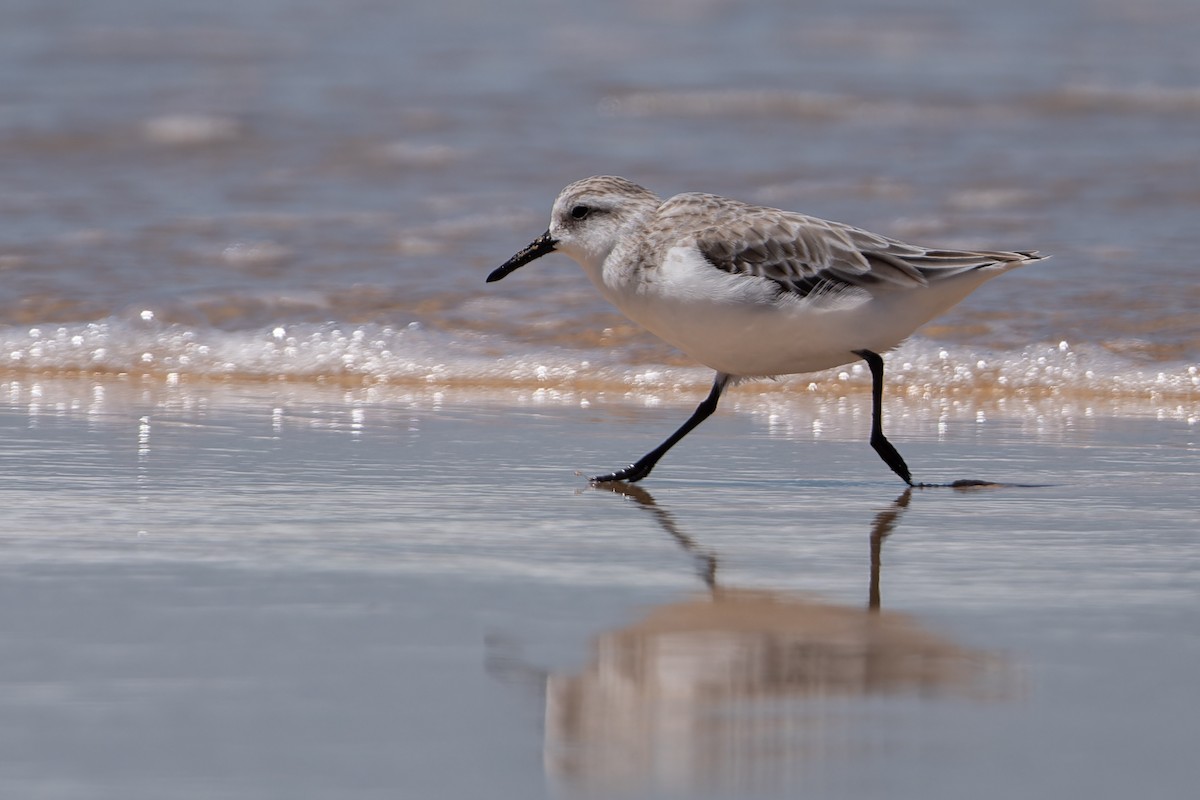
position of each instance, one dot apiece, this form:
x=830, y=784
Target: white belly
x=752, y=331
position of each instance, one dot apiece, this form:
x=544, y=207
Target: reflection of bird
x=753, y=291
x=881, y=528
x=731, y=685
x=706, y=561
x=738, y=686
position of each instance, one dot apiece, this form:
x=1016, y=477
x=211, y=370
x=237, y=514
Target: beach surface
x=247, y=591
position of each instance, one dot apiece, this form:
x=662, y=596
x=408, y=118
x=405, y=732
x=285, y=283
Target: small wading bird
x=755, y=292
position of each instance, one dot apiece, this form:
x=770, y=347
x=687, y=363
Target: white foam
x=920, y=371
x=256, y=254
x=189, y=130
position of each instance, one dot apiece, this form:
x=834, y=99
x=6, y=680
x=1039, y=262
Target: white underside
x=742, y=326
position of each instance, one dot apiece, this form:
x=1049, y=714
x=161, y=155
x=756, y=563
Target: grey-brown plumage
x=803, y=254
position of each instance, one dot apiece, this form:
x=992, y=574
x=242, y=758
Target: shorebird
x=752, y=291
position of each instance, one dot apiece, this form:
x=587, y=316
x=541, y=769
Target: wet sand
x=254, y=591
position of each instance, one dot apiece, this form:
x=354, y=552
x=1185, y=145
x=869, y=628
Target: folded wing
x=808, y=256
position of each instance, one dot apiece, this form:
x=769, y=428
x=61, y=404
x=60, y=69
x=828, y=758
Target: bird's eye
x=580, y=212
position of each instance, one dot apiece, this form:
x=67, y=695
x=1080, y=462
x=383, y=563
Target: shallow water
x=246, y=591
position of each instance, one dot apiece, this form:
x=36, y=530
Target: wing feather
x=805, y=255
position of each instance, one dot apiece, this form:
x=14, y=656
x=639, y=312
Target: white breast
x=744, y=326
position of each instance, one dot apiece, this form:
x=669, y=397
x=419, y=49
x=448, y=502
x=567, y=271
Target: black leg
x=641, y=468
x=889, y=454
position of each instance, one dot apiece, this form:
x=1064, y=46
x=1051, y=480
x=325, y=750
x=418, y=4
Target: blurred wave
x=413, y=355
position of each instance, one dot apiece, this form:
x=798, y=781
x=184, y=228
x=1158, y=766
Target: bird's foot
x=891, y=456
x=633, y=473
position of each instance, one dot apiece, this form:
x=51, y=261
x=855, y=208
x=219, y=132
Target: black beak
x=536, y=249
